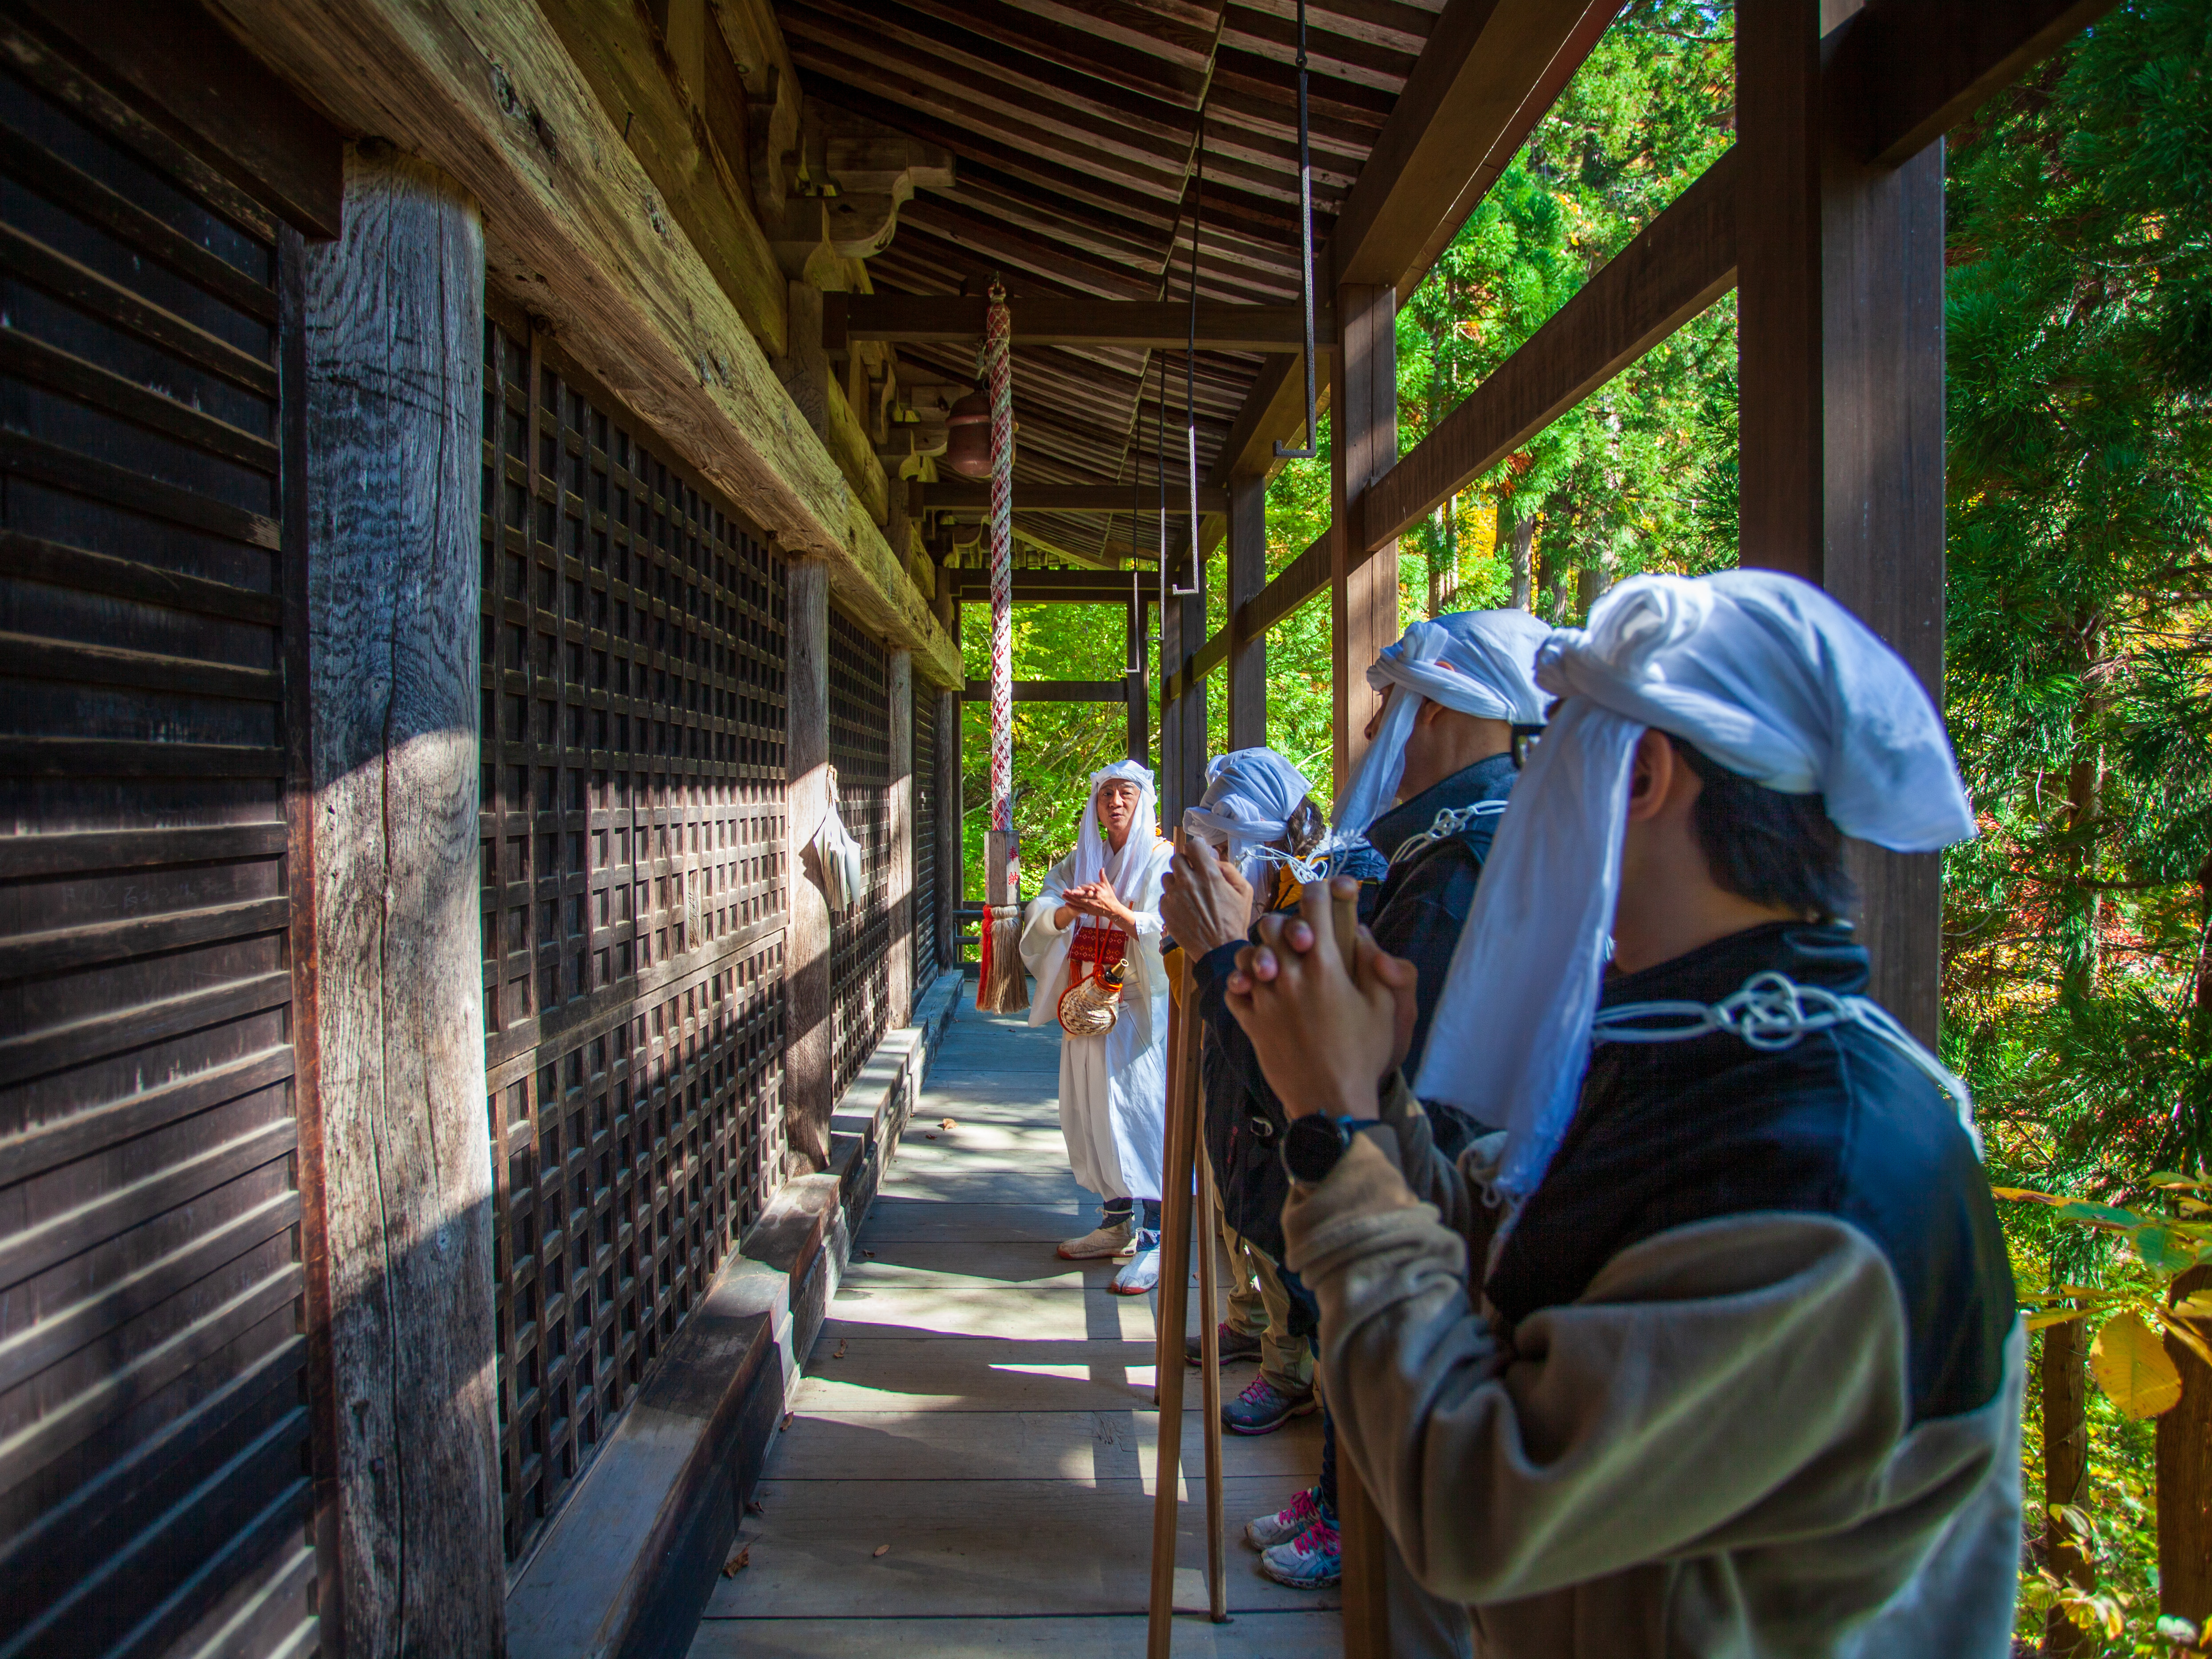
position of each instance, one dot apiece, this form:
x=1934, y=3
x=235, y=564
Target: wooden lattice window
x=633, y=870
x=859, y=938
x=924, y=771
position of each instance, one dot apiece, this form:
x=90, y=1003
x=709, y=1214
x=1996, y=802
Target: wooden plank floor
x=986, y=1410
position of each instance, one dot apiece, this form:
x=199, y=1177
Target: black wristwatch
x=1312, y=1146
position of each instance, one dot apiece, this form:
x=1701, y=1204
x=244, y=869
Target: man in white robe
x=1113, y=1088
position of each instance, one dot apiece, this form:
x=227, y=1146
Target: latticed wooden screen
x=925, y=837
x=859, y=938
x=634, y=870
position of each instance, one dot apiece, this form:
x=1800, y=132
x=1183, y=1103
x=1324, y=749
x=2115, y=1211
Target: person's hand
x=1325, y=1038
x=1205, y=901
x=1107, y=905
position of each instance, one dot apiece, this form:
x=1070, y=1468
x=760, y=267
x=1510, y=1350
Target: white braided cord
x=999, y=368
x=1446, y=824
x=1770, y=1011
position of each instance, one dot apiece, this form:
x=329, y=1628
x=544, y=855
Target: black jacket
x=1416, y=910
x=1839, y=1123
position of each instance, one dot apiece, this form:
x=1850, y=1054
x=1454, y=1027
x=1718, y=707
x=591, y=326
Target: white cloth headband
x=1475, y=662
x=1762, y=672
x=1250, y=795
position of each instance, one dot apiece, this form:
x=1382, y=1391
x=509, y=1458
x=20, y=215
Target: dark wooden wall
x=859, y=938
x=925, y=918
x=155, y=1406
x=635, y=885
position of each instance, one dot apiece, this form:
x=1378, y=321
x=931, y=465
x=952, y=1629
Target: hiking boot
x=1286, y=1523
x=1143, y=1270
x=1112, y=1239
x=1235, y=1345
x=1312, y=1560
x=1262, y=1408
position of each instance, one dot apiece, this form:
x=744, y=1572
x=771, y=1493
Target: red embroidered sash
x=1093, y=948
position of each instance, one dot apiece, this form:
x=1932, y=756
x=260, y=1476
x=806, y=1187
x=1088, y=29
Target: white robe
x=1113, y=1089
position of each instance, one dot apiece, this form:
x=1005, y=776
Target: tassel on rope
x=1003, y=987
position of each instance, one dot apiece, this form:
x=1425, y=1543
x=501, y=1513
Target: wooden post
x=2184, y=1479
x=1841, y=404
x=1248, y=574
x=1190, y=707
x=1140, y=736
x=808, y=1071
x=2065, y=1380
x=950, y=875
x=1362, y=589
x=898, y=814
x=394, y=320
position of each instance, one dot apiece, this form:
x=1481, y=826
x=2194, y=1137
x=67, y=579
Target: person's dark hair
x=1306, y=827
x=1767, y=847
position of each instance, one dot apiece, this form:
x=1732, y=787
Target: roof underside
x=1075, y=126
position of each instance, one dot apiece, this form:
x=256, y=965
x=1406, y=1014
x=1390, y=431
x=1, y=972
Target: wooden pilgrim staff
x=1180, y=1166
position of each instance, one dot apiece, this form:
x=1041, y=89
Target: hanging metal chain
x=1305, y=249
x=998, y=334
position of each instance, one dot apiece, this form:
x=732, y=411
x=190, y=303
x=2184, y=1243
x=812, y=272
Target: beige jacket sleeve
x=1717, y=1384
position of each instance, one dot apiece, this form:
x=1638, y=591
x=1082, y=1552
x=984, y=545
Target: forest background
x=2077, y=985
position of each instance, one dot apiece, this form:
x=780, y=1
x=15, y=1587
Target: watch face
x=1311, y=1148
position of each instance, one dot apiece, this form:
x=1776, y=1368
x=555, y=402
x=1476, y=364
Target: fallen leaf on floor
x=948, y=1124
x=755, y=1507
x=839, y=1354
x=929, y=1137
x=787, y=1415
x=870, y=1254
x=743, y=1558
x=882, y=1549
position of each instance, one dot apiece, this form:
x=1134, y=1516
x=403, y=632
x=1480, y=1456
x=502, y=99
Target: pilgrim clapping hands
x=1326, y=1039
x=1097, y=899
x=1205, y=901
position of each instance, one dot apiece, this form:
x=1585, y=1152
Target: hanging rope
x=1002, y=987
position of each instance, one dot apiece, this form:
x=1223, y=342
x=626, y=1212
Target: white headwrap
x=1093, y=857
x=1250, y=795
x=1476, y=662
x=1764, y=673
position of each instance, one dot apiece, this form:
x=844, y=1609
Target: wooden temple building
x=469, y=492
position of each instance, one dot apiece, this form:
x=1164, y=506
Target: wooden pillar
x=1248, y=574
x=898, y=814
x=393, y=364
x=1140, y=734
x=1841, y=404
x=807, y=1069
x=950, y=883
x=1363, y=590
x=2184, y=1479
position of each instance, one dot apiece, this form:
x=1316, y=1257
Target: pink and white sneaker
x=1312, y=1560
x=1286, y=1523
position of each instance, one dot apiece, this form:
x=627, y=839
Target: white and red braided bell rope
x=998, y=361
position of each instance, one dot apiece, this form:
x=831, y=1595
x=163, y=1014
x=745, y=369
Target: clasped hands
x=1096, y=899
x=1326, y=1039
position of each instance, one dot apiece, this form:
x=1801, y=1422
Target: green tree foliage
x=2080, y=483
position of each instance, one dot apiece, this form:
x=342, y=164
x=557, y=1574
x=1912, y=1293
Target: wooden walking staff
x=1180, y=1163
x=1362, y=1542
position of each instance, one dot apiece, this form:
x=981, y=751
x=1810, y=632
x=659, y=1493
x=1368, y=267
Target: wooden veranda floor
x=986, y=1410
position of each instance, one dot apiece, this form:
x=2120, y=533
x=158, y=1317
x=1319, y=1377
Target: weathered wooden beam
x=911, y=319
x=1071, y=498
x=1055, y=690
x=1053, y=586
x=1901, y=73
x=578, y=224
x=394, y=367
x=1682, y=262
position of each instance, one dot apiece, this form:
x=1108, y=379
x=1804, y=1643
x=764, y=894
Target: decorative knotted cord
x=1446, y=823
x=999, y=366
x=1772, y=1011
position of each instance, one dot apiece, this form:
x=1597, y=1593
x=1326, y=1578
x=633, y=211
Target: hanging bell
x=967, y=436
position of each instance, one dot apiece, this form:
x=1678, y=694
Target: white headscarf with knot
x=1250, y=795
x=1093, y=856
x=1477, y=662
x=1764, y=673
